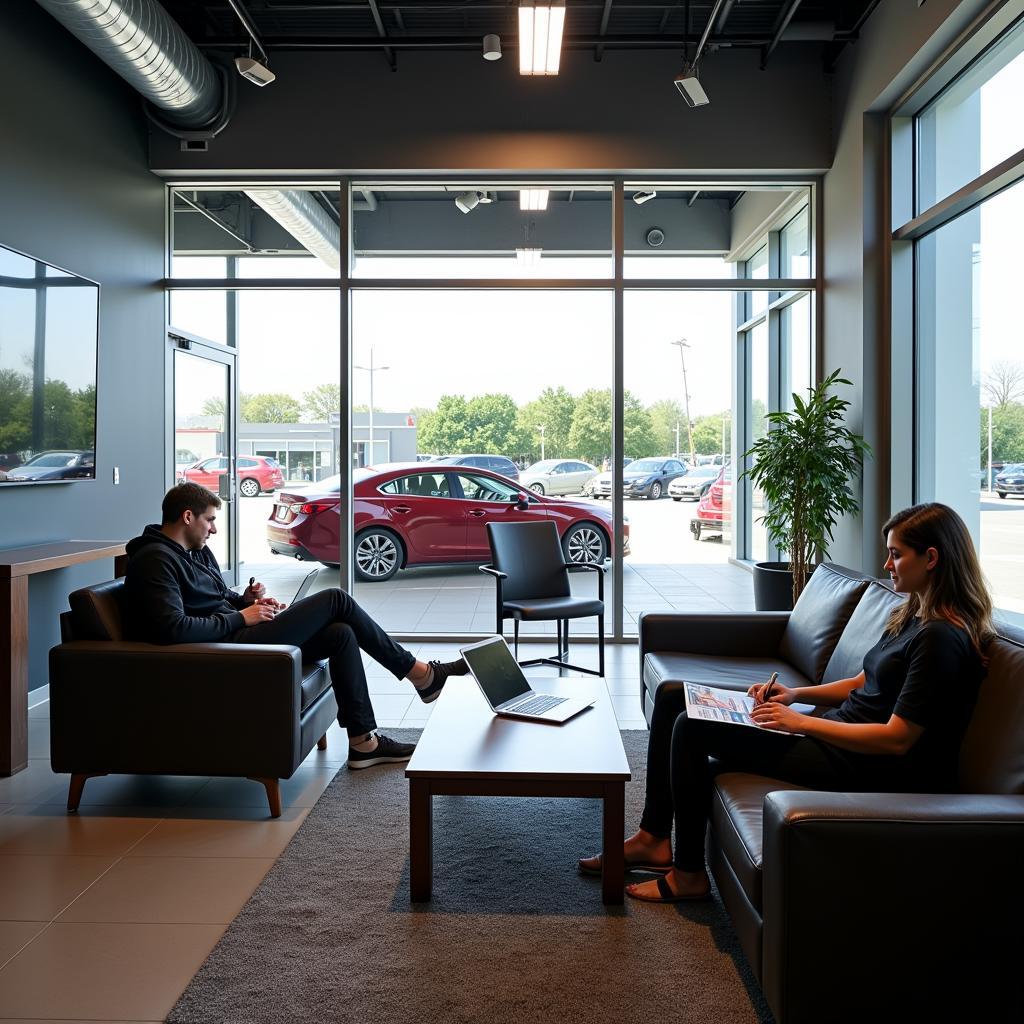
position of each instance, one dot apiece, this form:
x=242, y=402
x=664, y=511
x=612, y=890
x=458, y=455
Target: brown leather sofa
x=189, y=709
x=862, y=906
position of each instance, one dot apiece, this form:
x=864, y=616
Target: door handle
x=402, y=508
x=477, y=512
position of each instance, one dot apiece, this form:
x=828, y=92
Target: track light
x=540, y=36
x=492, y=47
x=643, y=196
x=254, y=71
x=690, y=88
x=468, y=201
x=533, y=198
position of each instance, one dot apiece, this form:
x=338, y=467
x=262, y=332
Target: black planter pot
x=773, y=587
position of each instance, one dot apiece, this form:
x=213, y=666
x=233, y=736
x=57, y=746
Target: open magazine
x=730, y=706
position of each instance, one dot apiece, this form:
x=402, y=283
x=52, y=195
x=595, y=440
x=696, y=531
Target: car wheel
x=655, y=491
x=537, y=488
x=695, y=530
x=1002, y=494
x=585, y=542
x=249, y=487
x=378, y=555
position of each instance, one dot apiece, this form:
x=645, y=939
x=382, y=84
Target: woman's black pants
x=680, y=774
x=330, y=624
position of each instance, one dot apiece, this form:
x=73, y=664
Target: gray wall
x=75, y=190
x=335, y=112
x=898, y=43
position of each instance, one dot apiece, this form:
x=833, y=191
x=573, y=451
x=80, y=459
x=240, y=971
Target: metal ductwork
x=143, y=44
x=304, y=219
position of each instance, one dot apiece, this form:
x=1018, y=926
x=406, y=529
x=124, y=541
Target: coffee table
x=465, y=750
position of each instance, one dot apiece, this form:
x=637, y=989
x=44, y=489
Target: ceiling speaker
x=655, y=236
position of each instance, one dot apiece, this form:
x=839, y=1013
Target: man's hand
x=258, y=613
x=253, y=593
x=273, y=603
x=777, y=717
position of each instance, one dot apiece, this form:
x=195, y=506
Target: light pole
x=542, y=429
x=683, y=344
x=371, y=370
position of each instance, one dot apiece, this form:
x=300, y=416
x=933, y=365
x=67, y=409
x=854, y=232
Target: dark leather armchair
x=246, y=710
x=532, y=585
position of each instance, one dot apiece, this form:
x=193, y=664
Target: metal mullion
x=728, y=284
x=618, y=403
x=257, y=284
x=345, y=538
x=481, y=284
x=754, y=321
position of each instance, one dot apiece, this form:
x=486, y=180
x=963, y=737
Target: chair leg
x=321, y=744
x=600, y=644
x=78, y=780
x=558, y=626
x=273, y=794
x=565, y=654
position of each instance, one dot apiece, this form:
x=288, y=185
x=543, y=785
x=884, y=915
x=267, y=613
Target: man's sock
x=427, y=680
x=364, y=746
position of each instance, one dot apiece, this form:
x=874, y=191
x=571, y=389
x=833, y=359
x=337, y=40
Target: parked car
x=255, y=474
x=421, y=457
x=714, y=511
x=643, y=478
x=558, y=476
x=1010, y=480
x=694, y=485
x=495, y=463
x=55, y=465
x=426, y=515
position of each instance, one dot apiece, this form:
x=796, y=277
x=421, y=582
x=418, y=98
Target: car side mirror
x=522, y=502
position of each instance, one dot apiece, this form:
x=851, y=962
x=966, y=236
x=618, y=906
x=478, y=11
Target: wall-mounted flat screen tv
x=49, y=324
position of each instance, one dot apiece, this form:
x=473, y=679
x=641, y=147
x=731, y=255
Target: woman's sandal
x=666, y=895
x=631, y=865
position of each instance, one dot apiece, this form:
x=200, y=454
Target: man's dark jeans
x=330, y=624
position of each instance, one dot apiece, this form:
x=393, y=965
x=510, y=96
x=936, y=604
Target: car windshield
x=705, y=471
x=1014, y=468
x=53, y=459
x=646, y=465
x=544, y=467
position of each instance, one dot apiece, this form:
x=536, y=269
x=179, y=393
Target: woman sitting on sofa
x=896, y=726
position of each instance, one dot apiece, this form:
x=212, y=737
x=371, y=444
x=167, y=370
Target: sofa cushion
x=728, y=673
x=737, y=809
x=862, y=632
x=315, y=679
x=819, y=616
x=96, y=612
x=992, y=755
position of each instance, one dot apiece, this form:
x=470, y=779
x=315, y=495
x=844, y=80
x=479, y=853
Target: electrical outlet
x=117, y=476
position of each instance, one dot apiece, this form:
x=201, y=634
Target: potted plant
x=803, y=465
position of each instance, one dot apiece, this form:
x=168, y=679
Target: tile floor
x=106, y=915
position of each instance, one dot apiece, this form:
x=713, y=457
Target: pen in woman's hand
x=766, y=691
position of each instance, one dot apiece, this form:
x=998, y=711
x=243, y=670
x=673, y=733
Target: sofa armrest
x=900, y=880
x=755, y=634
x=216, y=709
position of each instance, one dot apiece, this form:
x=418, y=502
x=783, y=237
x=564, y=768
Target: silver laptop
x=305, y=585
x=508, y=691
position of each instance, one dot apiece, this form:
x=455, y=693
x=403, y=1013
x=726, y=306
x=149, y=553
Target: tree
x=707, y=433
x=321, y=402
x=1004, y=383
x=16, y=400
x=590, y=437
x=553, y=411
x=446, y=430
x=493, y=425
x=1007, y=434
x=274, y=407
x=664, y=417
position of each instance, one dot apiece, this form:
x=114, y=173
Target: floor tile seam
x=4, y=964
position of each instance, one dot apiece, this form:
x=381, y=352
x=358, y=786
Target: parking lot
x=667, y=569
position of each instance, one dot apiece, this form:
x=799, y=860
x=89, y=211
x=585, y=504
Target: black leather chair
x=247, y=710
x=532, y=585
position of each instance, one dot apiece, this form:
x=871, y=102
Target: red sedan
x=256, y=474
x=714, y=513
x=421, y=514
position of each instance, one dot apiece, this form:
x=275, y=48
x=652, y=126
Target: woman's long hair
x=957, y=591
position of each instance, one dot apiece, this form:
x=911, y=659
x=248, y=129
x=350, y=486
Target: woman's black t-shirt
x=928, y=674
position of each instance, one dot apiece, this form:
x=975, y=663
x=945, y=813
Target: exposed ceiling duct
x=140, y=41
x=304, y=219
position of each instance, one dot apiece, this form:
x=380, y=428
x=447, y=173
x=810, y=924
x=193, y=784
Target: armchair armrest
x=755, y=634
x=491, y=571
x=901, y=878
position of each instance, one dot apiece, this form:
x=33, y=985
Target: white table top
x=464, y=739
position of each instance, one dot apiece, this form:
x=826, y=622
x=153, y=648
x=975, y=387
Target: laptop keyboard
x=537, y=705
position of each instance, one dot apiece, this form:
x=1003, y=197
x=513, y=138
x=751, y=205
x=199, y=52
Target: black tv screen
x=49, y=324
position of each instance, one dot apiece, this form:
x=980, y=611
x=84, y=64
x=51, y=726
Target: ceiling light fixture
x=690, y=88
x=470, y=200
x=540, y=36
x=492, y=47
x=533, y=198
x=643, y=196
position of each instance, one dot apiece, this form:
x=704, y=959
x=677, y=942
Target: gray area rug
x=513, y=934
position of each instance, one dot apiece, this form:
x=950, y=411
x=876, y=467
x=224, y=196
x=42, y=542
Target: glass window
x=426, y=485
x=759, y=407
x=757, y=268
x=974, y=124
x=797, y=355
x=794, y=246
x=485, y=488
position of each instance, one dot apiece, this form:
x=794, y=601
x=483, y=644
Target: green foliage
x=590, y=437
x=269, y=408
x=803, y=465
x=1007, y=434
x=664, y=417
x=486, y=423
x=554, y=411
x=707, y=434
x=69, y=417
x=319, y=403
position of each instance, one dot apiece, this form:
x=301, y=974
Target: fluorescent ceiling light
x=533, y=198
x=540, y=36
x=528, y=258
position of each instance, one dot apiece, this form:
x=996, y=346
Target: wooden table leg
x=421, y=840
x=613, y=864
x=13, y=674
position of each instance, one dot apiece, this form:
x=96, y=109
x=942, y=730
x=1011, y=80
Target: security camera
x=470, y=200
x=254, y=71
x=691, y=90
x=643, y=196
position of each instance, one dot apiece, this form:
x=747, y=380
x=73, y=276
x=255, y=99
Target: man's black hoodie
x=177, y=596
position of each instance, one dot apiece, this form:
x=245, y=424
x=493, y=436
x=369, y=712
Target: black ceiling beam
x=605, y=15
x=781, y=24
x=247, y=24
x=389, y=53
x=723, y=16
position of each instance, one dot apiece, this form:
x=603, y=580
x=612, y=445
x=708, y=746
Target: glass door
x=205, y=449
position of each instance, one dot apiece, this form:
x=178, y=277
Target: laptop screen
x=496, y=670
